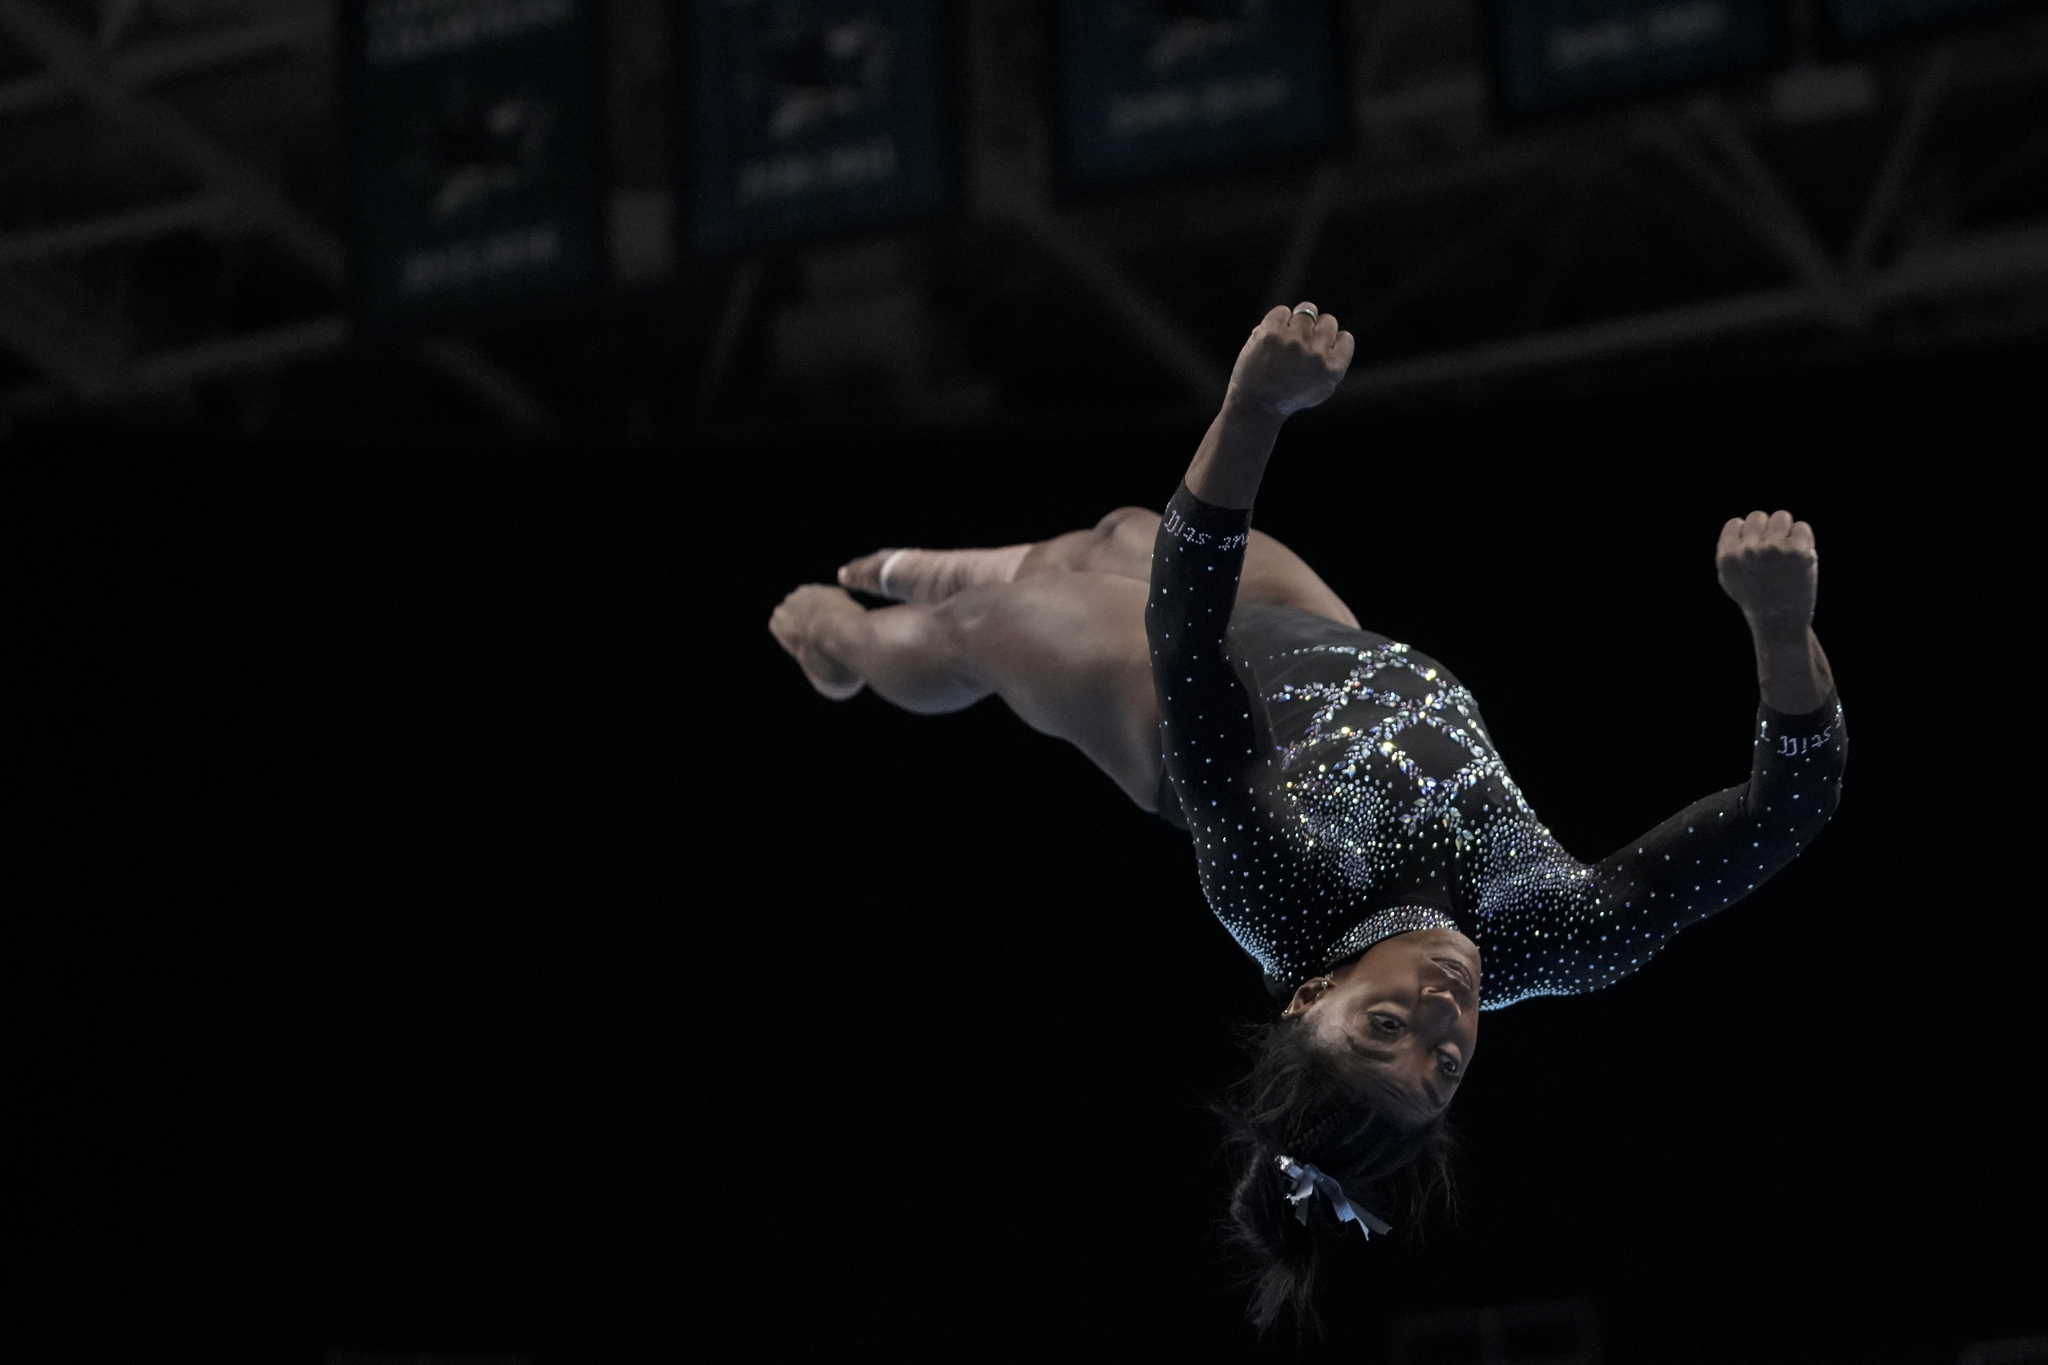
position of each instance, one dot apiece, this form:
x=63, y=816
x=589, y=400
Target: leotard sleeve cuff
x=1810, y=722
x=1199, y=525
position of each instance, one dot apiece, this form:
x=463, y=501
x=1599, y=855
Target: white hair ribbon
x=1309, y=1181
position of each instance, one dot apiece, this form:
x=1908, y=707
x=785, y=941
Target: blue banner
x=473, y=134
x=1155, y=85
x=1861, y=20
x=813, y=115
x=1556, y=54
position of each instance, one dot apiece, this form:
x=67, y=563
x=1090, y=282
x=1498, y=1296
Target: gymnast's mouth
x=1456, y=970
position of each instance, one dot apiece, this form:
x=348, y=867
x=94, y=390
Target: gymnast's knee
x=1126, y=535
x=1107, y=527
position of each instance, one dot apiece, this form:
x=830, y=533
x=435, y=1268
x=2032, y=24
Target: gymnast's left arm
x=1608, y=922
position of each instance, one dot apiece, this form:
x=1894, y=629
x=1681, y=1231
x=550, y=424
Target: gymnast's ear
x=1306, y=994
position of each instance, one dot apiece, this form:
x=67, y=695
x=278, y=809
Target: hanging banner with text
x=813, y=116
x=1160, y=85
x=1564, y=54
x=473, y=132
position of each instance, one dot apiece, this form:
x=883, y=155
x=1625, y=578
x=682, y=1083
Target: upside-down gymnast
x=1353, y=826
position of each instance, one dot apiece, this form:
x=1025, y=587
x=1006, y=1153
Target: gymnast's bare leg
x=1056, y=629
x=1121, y=544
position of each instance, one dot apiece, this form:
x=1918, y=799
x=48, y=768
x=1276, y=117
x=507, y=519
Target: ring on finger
x=1307, y=310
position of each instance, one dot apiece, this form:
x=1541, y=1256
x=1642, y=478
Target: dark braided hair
x=1296, y=1104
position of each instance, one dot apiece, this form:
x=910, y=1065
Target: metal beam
x=1801, y=247
x=1138, y=219
x=468, y=368
x=175, y=58
x=80, y=369
x=1954, y=270
x=132, y=225
x=483, y=379
x=1596, y=341
x=1148, y=323
x=48, y=340
x=1965, y=266
x=245, y=354
x=1898, y=161
x=72, y=59
x=1752, y=197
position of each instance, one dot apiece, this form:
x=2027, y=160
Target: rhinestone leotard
x=1342, y=788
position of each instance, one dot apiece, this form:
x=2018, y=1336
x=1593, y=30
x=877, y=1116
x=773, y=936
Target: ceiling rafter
x=141, y=224
x=1751, y=193
x=1145, y=318
x=72, y=59
x=305, y=30
x=1955, y=270
x=1935, y=75
x=1440, y=215
x=75, y=62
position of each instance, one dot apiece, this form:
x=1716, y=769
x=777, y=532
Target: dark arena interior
x=455, y=932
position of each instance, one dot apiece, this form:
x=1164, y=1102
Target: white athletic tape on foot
x=882, y=578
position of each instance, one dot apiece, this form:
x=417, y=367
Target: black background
x=469, y=933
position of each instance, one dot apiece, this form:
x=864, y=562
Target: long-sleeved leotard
x=1342, y=788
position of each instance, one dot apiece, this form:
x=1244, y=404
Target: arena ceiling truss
x=171, y=235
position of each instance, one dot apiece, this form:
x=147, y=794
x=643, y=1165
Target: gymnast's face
x=1403, y=1018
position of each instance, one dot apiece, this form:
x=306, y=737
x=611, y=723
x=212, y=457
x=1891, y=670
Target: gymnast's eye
x=1387, y=1025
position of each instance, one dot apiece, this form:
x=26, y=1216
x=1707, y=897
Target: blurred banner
x=1557, y=54
x=813, y=116
x=474, y=128
x=1153, y=85
x=1860, y=20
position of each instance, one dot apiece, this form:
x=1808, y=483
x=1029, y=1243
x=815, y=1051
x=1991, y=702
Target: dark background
x=448, y=924
x=471, y=934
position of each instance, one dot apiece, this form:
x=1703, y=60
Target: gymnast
x=1354, y=829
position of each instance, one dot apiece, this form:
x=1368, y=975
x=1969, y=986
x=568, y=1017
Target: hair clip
x=1308, y=1181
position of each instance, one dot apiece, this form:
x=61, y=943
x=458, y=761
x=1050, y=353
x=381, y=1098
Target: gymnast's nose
x=1442, y=1001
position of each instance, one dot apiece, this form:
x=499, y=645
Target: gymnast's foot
x=796, y=626
x=930, y=575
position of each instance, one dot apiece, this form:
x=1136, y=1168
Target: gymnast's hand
x=1768, y=565
x=1292, y=360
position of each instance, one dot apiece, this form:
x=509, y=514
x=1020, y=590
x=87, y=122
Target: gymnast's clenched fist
x=1292, y=360
x=1769, y=566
